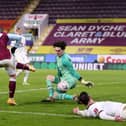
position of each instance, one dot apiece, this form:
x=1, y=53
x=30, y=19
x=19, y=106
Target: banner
x=89, y=34
x=81, y=61
x=114, y=59
x=51, y=58
x=83, y=66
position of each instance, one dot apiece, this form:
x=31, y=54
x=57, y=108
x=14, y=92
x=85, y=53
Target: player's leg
x=18, y=72
x=12, y=85
x=25, y=67
x=26, y=76
x=67, y=83
x=7, y=63
x=49, y=82
x=59, y=95
x=61, y=90
x=21, y=61
x=63, y=96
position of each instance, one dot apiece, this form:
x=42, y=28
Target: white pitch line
x=102, y=83
x=30, y=90
x=38, y=113
x=21, y=91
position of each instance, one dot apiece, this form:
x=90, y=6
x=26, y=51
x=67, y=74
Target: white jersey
x=105, y=110
x=21, y=52
x=21, y=55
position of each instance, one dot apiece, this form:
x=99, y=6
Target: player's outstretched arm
x=83, y=113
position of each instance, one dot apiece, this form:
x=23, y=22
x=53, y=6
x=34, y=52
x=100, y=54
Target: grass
x=109, y=85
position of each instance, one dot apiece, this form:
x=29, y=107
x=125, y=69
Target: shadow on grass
x=65, y=102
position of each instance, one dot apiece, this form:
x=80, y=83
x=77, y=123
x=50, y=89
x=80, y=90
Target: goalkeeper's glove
x=88, y=84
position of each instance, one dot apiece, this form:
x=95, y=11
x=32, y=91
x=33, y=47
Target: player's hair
x=60, y=44
x=83, y=98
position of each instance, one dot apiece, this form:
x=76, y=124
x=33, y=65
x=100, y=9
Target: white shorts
x=9, y=66
x=21, y=55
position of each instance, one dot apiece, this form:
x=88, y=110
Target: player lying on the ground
x=106, y=110
x=66, y=77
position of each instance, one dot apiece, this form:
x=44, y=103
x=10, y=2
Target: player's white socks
x=18, y=72
x=26, y=76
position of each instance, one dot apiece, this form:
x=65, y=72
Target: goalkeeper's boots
x=11, y=101
x=49, y=99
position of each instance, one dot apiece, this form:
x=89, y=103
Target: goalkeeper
x=66, y=78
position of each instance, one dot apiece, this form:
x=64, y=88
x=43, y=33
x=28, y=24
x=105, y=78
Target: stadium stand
x=60, y=9
x=11, y=9
x=63, y=9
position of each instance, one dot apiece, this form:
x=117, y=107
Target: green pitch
x=109, y=85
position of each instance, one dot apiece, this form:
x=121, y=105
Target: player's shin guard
x=50, y=88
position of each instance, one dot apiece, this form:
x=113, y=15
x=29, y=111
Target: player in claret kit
x=8, y=62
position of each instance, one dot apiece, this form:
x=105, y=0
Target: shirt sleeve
x=83, y=113
x=14, y=37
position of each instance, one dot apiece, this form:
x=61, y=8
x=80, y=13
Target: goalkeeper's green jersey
x=66, y=70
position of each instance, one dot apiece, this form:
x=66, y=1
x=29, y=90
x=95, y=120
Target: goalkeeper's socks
x=65, y=96
x=50, y=88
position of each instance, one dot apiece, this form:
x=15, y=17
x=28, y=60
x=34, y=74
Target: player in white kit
x=106, y=110
x=21, y=54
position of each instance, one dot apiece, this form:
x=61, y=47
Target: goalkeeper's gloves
x=88, y=84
